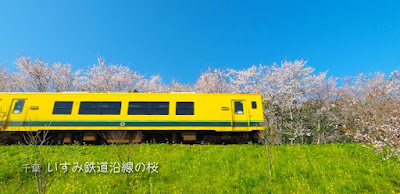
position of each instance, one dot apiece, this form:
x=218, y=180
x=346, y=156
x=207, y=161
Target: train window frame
x=148, y=108
x=66, y=108
x=238, y=109
x=254, y=105
x=19, y=110
x=98, y=108
x=182, y=110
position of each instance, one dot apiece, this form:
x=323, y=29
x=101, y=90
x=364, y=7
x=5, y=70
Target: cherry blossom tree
x=287, y=87
x=4, y=80
x=109, y=78
x=178, y=87
x=370, y=111
x=32, y=76
x=39, y=76
x=63, y=78
x=323, y=113
x=213, y=81
x=154, y=84
x=248, y=80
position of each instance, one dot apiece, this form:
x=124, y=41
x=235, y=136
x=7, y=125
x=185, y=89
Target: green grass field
x=331, y=168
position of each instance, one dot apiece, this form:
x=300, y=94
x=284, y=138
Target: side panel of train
x=155, y=112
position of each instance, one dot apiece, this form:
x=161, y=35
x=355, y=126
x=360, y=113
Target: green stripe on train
x=131, y=124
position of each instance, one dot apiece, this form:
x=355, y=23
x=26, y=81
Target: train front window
x=239, y=107
x=184, y=108
x=100, y=108
x=62, y=108
x=19, y=106
x=148, y=108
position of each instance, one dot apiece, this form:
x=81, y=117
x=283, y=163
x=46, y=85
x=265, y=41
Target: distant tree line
x=303, y=107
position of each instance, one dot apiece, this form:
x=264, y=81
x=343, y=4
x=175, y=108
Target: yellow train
x=174, y=117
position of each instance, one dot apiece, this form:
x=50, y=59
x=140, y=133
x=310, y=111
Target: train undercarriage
x=127, y=137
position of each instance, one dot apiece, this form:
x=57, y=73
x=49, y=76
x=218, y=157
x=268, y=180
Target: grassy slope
x=340, y=168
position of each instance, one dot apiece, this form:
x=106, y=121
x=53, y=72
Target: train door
x=240, y=115
x=17, y=112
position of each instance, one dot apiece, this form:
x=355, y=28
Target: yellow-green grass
x=330, y=168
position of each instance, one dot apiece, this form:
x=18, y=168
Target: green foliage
x=327, y=168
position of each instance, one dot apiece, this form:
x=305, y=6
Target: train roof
x=135, y=93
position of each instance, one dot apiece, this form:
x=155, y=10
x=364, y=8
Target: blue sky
x=180, y=39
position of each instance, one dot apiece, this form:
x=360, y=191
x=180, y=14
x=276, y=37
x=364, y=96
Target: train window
x=184, y=108
x=62, y=108
x=100, y=108
x=110, y=108
x=19, y=106
x=254, y=104
x=158, y=108
x=89, y=108
x=148, y=108
x=239, y=107
x=138, y=108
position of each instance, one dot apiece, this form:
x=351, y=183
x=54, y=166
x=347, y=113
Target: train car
x=172, y=117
